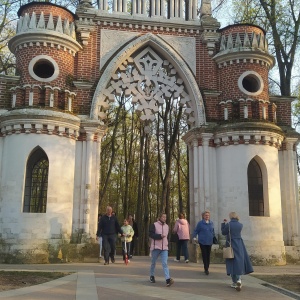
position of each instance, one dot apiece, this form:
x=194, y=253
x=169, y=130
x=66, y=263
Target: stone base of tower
x=292, y=254
x=259, y=253
x=46, y=251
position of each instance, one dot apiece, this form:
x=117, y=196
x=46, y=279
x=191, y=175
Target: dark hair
x=181, y=216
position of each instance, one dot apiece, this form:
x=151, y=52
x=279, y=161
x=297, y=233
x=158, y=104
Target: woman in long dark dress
x=240, y=264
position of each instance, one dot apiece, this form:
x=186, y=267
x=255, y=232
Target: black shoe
x=169, y=281
x=113, y=260
x=152, y=279
x=106, y=263
x=206, y=272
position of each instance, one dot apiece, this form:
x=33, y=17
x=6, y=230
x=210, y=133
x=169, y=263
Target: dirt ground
x=288, y=282
x=10, y=280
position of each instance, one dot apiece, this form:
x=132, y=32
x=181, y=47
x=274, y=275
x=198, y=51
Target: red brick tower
x=45, y=47
x=244, y=63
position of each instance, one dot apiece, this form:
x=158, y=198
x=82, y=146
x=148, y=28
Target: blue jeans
x=182, y=244
x=235, y=278
x=164, y=261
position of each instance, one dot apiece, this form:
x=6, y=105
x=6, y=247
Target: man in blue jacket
x=109, y=227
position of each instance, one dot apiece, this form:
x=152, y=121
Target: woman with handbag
x=182, y=229
x=205, y=232
x=240, y=264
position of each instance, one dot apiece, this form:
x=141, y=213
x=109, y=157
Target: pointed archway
x=146, y=83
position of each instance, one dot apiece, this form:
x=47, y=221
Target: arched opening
x=257, y=191
x=36, y=182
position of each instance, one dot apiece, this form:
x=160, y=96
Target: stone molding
x=227, y=58
x=256, y=137
x=85, y=26
x=39, y=121
x=9, y=78
x=160, y=46
x=43, y=38
x=83, y=85
x=185, y=46
x=112, y=40
x=122, y=20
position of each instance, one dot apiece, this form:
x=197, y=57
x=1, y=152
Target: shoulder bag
x=228, y=251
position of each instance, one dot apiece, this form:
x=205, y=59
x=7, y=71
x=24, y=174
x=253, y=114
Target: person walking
x=182, y=229
x=109, y=227
x=205, y=232
x=240, y=264
x=134, y=241
x=99, y=238
x=158, y=233
x=127, y=236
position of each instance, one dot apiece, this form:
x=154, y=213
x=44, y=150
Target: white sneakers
x=238, y=285
x=177, y=260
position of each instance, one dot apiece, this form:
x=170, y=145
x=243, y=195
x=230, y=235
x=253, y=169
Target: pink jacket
x=156, y=230
x=182, y=228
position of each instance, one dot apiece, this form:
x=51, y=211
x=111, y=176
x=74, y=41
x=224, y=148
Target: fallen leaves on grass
x=288, y=282
x=10, y=280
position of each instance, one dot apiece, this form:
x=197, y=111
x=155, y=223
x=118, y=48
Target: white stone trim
x=161, y=47
x=257, y=77
x=47, y=58
x=266, y=137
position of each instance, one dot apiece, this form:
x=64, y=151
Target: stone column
x=292, y=199
x=88, y=179
x=133, y=7
x=206, y=160
x=171, y=8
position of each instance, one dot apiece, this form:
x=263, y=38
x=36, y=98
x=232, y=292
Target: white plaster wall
x=80, y=184
x=232, y=164
x=58, y=217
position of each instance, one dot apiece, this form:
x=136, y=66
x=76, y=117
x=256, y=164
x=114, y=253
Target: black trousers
x=205, y=250
x=109, y=245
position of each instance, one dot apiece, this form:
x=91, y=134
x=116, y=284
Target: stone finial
x=85, y=4
x=205, y=9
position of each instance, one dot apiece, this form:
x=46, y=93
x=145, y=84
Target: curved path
x=93, y=281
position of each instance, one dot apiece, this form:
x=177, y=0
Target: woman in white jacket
x=182, y=228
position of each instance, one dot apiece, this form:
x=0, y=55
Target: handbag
x=228, y=251
x=174, y=238
x=215, y=240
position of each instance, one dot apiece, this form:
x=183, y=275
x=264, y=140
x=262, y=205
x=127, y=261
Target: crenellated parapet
x=241, y=44
x=45, y=30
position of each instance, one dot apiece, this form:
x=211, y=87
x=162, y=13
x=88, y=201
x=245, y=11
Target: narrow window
x=36, y=183
x=255, y=189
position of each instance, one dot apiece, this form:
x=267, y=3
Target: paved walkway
x=93, y=281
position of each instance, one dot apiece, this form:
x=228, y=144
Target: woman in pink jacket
x=158, y=233
x=182, y=228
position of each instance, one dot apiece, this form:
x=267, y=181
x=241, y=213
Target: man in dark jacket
x=109, y=227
